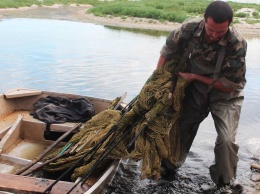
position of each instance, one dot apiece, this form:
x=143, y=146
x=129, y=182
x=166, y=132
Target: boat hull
x=22, y=141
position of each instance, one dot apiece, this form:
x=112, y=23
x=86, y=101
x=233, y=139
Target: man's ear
x=204, y=17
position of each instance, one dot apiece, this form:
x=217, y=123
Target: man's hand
x=188, y=76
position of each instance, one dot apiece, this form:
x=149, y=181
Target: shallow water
x=94, y=60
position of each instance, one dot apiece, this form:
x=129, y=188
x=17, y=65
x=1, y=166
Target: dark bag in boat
x=52, y=109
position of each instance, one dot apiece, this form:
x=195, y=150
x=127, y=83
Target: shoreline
x=78, y=13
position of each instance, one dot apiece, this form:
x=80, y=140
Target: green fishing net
x=152, y=118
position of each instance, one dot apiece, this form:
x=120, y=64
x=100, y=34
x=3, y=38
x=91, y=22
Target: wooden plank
x=8, y=120
x=9, y=138
x=23, y=184
x=15, y=93
x=4, y=131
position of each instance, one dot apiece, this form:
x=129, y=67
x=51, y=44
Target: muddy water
x=104, y=62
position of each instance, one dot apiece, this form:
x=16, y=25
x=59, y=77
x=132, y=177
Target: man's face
x=215, y=31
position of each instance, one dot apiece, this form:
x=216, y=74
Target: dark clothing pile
x=52, y=109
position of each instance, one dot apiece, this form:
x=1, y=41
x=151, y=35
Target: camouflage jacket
x=203, y=57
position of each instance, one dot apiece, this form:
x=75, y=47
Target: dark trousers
x=225, y=112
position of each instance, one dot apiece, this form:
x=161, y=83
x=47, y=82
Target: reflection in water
x=75, y=57
x=154, y=33
x=104, y=62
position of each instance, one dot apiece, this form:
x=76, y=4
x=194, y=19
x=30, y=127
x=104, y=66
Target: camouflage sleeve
x=177, y=40
x=235, y=67
x=171, y=45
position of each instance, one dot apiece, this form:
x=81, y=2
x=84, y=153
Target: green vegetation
x=156, y=33
x=162, y=10
x=255, y=14
x=241, y=15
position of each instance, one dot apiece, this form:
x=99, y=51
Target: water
x=75, y=57
x=104, y=62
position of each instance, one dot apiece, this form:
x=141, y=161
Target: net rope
x=159, y=135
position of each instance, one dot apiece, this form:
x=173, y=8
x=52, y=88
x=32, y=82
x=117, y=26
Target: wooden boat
x=22, y=141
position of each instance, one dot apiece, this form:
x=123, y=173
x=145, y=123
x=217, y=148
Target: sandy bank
x=78, y=13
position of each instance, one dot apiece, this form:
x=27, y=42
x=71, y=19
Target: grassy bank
x=163, y=10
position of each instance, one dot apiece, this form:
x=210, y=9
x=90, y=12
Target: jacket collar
x=223, y=41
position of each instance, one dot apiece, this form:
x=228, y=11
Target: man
x=210, y=90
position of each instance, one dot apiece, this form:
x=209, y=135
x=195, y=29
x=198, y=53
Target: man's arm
x=162, y=60
x=206, y=80
x=194, y=77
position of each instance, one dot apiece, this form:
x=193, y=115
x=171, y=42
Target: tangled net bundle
x=153, y=115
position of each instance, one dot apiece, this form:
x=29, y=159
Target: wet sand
x=78, y=13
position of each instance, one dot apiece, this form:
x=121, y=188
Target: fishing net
x=152, y=119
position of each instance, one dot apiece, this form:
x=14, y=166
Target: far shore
x=78, y=13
